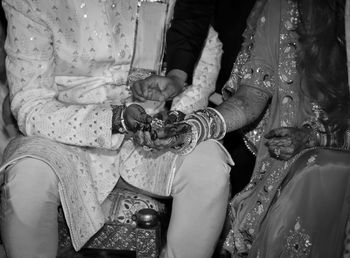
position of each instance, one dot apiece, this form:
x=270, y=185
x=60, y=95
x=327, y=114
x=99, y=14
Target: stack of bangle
x=206, y=124
x=319, y=132
x=118, y=122
x=190, y=142
x=210, y=124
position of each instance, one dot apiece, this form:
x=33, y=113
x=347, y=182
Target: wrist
x=190, y=141
x=315, y=137
x=312, y=137
x=118, y=121
x=179, y=76
x=212, y=124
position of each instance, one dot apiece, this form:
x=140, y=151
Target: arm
x=30, y=68
x=184, y=43
x=196, y=96
x=187, y=34
x=257, y=85
x=244, y=107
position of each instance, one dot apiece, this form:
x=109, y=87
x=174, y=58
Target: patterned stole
x=152, y=19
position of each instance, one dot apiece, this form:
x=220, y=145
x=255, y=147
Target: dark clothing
x=188, y=31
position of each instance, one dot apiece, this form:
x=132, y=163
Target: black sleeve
x=187, y=33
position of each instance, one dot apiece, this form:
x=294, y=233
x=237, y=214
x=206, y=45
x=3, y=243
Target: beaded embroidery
x=271, y=171
x=243, y=56
x=298, y=243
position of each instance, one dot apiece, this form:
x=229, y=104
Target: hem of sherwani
x=81, y=194
x=149, y=170
x=82, y=221
x=153, y=171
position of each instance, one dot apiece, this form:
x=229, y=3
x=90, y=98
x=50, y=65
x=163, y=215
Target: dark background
x=230, y=21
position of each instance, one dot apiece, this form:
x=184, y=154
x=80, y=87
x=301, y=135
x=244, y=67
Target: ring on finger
x=277, y=152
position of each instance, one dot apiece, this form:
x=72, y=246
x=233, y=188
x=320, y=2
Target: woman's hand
x=285, y=142
x=170, y=117
x=164, y=138
x=136, y=118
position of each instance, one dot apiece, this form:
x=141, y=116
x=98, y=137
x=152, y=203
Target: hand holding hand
x=159, y=88
x=166, y=131
x=165, y=138
x=285, y=142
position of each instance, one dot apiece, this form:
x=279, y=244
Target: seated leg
x=200, y=195
x=29, y=205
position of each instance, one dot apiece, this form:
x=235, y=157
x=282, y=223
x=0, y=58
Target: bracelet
x=122, y=121
x=202, y=126
x=118, y=122
x=321, y=138
x=190, y=142
x=198, y=125
x=212, y=122
x=219, y=134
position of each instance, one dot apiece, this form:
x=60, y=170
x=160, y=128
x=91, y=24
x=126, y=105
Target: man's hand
x=169, y=136
x=159, y=88
x=285, y=142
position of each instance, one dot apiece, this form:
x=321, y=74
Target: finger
x=283, y=157
x=168, y=142
x=284, y=141
x=175, y=116
x=162, y=115
x=146, y=85
x=169, y=92
x=140, y=114
x=138, y=138
x=136, y=90
x=278, y=132
x=155, y=94
x=151, y=88
x=173, y=130
x=154, y=135
x=148, y=140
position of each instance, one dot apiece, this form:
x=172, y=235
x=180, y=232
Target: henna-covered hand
x=136, y=118
x=163, y=138
x=285, y=142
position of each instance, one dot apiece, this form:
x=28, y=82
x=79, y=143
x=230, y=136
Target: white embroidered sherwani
x=68, y=61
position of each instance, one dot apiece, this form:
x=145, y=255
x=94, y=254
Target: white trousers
x=200, y=193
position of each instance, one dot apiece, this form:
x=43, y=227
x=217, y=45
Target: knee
x=210, y=167
x=28, y=176
x=30, y=186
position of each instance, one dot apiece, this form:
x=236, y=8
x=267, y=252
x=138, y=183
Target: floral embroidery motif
x=243, y=56
x=298, y=242
x=311, y=160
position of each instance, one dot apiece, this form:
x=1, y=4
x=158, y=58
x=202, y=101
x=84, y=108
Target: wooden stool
x=133, y=228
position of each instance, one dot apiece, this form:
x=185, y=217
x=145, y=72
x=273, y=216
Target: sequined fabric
x=279, y=80
x=298, y=242
x=244, y=54
x=254, y=212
